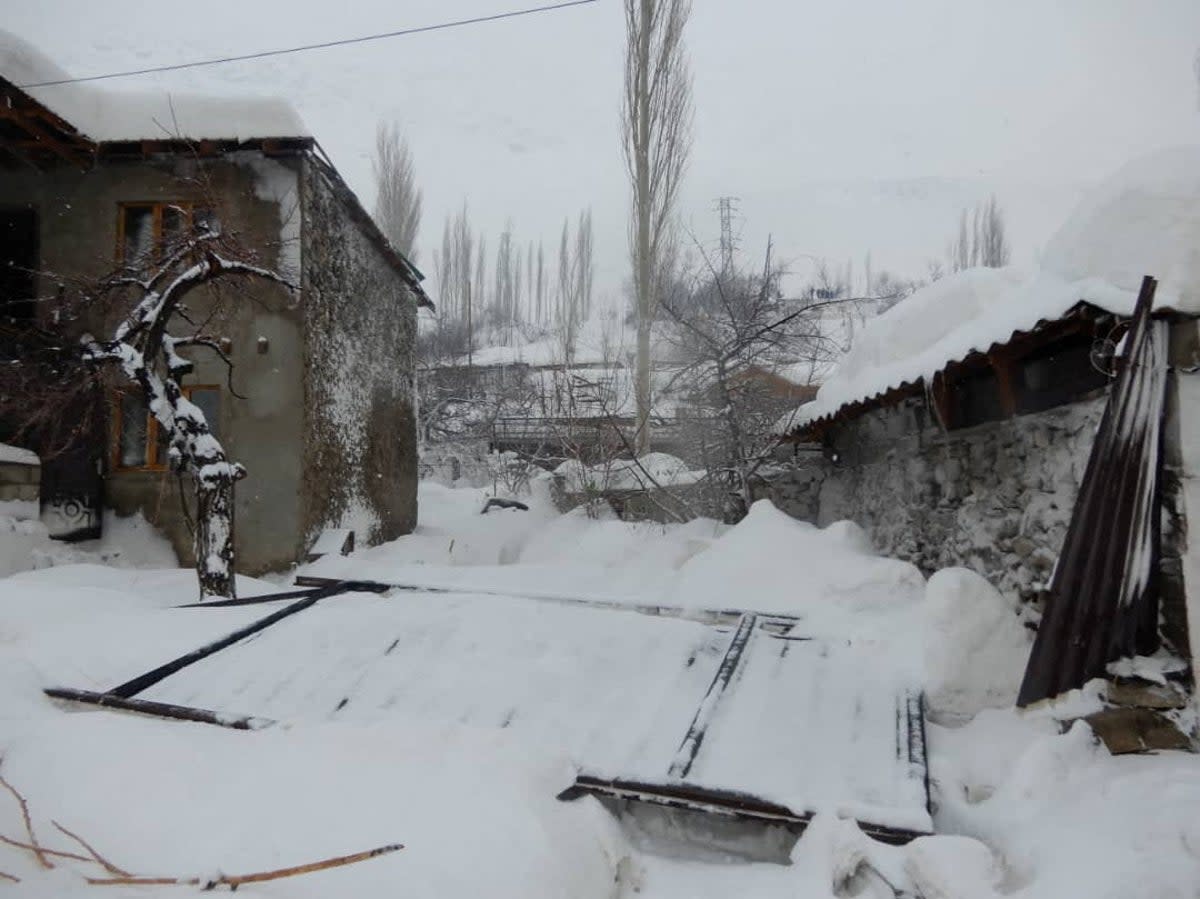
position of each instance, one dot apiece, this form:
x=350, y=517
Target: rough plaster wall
x=996, y=498
x=360, y=455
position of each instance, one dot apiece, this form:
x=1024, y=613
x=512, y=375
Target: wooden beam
x=158, y=709
x=150, y=678
x=1003, y=368
x=322, y=591
x=685, y=755
x=727, y=803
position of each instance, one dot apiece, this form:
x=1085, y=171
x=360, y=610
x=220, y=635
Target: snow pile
x=464, y=769
x=646, y=473
x=975, y=645
x=474, y=809
x=1144, y=220
x=107, y=115
x=450, y=531
x=18, y=455
x=770, y=562
x=1068, y=818
x=129, y=542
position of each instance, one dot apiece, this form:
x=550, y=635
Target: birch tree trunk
x=214, y=537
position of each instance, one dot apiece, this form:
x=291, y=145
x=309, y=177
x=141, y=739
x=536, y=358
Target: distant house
x=326, y=421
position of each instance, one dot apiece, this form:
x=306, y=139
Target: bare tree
x=982, y=244
x=657, y=119
x=738, y=335
x=397, y=198
x=583, y=265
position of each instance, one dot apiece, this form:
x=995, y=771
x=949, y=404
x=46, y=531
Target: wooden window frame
x=152, y=462
x=158, y=207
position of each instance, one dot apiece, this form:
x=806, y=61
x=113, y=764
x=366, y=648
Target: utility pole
x=727, y=206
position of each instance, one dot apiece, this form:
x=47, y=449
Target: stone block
x=1126, y=730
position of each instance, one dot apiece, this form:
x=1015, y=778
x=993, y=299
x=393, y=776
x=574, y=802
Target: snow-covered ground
x=468, y=711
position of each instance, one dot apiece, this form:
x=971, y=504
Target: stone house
x=320, y=406
x=958, y=428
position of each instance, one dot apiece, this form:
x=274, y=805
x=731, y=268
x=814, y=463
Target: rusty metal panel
x=1102, y=601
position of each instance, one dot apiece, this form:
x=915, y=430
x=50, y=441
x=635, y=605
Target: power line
x=340, y=43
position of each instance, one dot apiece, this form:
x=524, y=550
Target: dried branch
x=235, y=881
x=4, y=875
x=34, y=846
x=100, y=859
x=57, y=853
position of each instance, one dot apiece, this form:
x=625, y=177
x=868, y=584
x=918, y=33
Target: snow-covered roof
x=18, y=455
x=1144, y=220
x=116, y=115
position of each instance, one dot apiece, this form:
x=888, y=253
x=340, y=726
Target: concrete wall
x=19, y=482
x=360, y=453
x=259, y=198
x=996, y=498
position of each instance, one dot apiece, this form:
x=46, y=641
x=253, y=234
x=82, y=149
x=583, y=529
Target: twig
x=55, y=852
x=34, y=846
x=4, y=875
x=100, y=859
x=237, y=880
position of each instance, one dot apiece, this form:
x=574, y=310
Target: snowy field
x=449, y=721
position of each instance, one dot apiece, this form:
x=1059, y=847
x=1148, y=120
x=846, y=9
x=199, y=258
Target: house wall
x=996, y=498
x=360, y=453
x=259, y=198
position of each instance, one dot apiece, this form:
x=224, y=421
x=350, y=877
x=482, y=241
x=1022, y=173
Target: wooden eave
x=1080, y=317
x=33, y=135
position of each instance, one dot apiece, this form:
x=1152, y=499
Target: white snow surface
x=18, y=455
x=110, y=115
x=646, y=473
x=456, y=742
x=1144, y=220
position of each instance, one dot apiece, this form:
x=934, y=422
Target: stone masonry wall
x=996, y=498
x=360, y=444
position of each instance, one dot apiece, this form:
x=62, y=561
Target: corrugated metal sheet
x=1102, y=602
x=896, y=392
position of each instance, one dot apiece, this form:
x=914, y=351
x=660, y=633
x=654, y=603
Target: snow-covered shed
x=958, y=427
x=320, y=407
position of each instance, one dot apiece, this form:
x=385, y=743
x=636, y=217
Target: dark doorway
x=18, y=263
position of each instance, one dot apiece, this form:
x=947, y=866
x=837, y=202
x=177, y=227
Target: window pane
x=132, y=451
x=138, y=237
x=209, y=401
x=174, y=223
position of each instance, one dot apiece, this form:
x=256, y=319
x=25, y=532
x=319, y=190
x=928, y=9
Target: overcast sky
x=843, y=127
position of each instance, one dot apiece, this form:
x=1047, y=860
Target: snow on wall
x=1144, y=220
x=277, y=183
x=107, y=115
x=360, y=326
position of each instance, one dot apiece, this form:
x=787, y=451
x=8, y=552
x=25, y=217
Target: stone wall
x=996, y=498
x=360, y=452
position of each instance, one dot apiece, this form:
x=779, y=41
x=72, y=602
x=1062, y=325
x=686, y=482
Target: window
x=141, y=443
x=145, y=228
